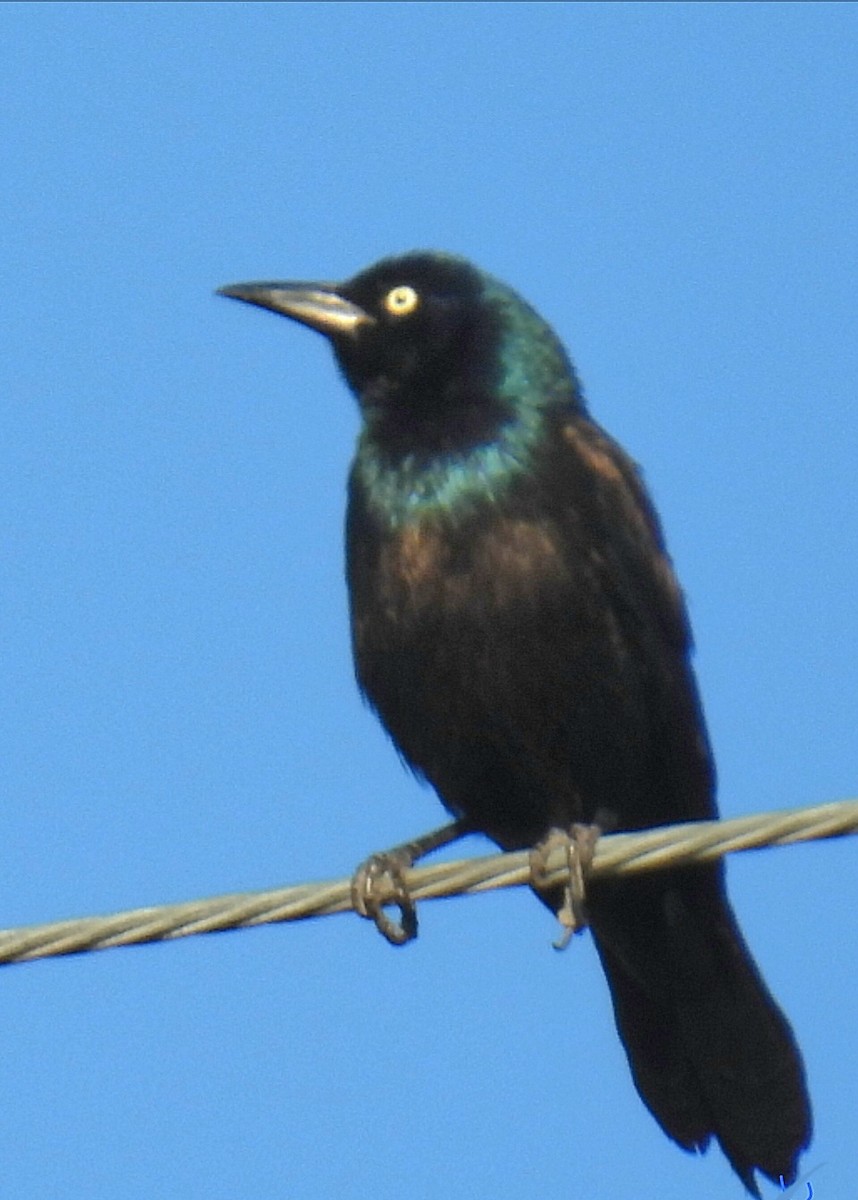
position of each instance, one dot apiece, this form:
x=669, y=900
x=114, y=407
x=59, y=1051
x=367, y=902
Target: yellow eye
x=402, y=300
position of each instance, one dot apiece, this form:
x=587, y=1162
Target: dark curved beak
x=318, y=305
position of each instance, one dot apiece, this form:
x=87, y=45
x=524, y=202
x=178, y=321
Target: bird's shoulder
x=608, y=516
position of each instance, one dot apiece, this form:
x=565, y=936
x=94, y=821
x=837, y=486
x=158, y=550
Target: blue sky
x=674, y=187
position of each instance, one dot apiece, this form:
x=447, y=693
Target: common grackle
x=518, y=628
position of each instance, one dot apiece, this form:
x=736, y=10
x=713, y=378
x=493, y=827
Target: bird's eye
x=402, y=300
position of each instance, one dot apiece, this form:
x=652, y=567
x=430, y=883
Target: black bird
x=518, y=628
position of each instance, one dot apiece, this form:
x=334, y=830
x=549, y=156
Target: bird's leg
x=578, y=844
x=380, y=881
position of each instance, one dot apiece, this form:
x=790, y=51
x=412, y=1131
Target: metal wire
x=615, y=854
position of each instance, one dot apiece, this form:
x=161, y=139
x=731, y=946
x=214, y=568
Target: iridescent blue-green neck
x=522, y=382
x=449, y=483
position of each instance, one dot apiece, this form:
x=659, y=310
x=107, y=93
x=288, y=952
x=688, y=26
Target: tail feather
x=711, y=1053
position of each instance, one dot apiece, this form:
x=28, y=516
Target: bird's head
x=439, y=354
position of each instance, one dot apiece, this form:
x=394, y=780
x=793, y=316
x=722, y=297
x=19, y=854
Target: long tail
x=711, y=1053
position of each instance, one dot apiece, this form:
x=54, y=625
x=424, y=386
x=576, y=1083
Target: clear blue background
x=676, y=188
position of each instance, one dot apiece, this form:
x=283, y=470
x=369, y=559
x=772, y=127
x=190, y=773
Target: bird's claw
x=578, y=844
x=378, y=882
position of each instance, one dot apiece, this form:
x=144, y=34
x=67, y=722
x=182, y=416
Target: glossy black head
x=431, y=326
x=438, y=353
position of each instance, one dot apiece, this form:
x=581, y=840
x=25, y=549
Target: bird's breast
x=427, y=566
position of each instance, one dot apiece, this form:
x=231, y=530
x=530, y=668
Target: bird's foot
x=578, y=844
x=380, y=882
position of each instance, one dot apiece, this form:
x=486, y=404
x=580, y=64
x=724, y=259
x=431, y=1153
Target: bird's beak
x=318, y=305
